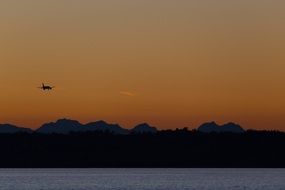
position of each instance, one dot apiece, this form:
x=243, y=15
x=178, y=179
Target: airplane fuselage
x=44, y=87
x=47, y=88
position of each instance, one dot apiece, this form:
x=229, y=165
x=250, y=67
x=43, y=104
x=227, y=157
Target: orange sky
x=167, y=62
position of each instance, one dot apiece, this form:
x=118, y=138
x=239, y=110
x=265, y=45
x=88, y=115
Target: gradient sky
x=172, y=63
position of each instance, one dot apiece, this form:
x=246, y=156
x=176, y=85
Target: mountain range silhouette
x=8, y=128
x=68, y=143
x=214, y=127
x=66, y=126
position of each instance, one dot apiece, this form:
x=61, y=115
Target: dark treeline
x=180, y=148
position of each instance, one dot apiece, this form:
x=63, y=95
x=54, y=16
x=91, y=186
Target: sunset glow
x=170, y=63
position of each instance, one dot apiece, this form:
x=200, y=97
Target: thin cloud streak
x=126, y=93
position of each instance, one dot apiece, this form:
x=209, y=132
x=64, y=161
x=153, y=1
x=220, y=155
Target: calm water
x=145, y=179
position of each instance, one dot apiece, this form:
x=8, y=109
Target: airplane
x=46, y=87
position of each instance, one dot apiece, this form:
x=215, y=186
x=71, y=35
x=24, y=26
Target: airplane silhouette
x=46, y=87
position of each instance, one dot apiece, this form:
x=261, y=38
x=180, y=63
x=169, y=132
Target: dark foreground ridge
x=170, y=148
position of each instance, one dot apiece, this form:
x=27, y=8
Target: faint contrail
x=126, y=93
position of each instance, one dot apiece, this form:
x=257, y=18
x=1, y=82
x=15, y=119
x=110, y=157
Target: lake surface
x=142, y=179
